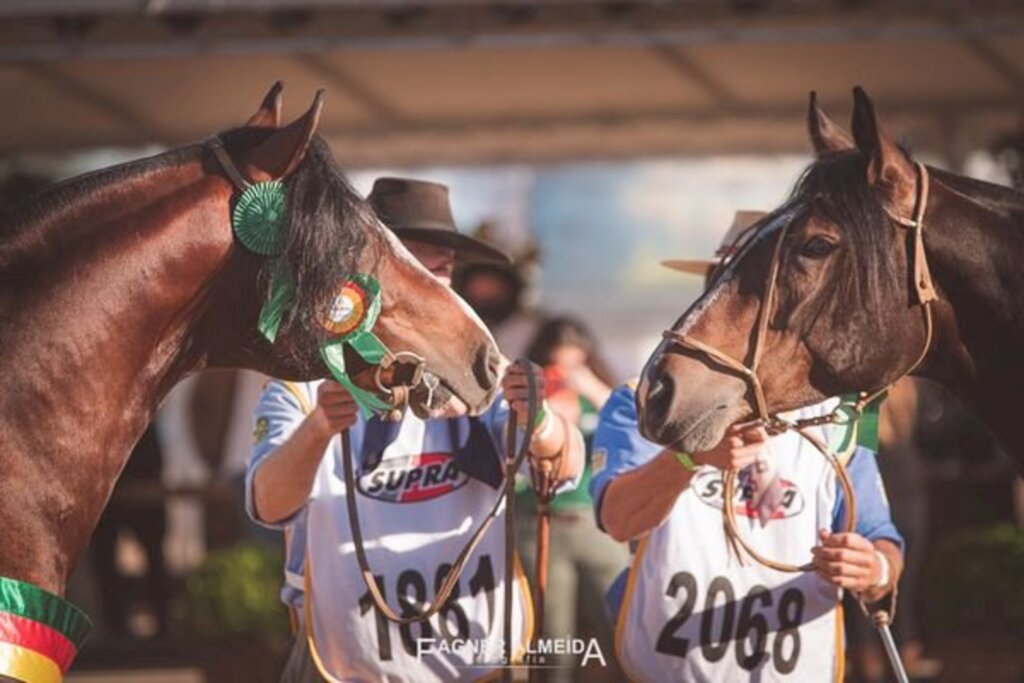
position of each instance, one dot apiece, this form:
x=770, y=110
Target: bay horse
x=846, y=276
x=116, y=284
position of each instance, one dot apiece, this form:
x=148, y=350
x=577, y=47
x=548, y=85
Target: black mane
x=837, y=186
x=326, y=232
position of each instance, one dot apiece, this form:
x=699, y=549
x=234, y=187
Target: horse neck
x=975, y=242
x=98, y=327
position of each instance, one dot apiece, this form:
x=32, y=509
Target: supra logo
x=413, y=478
x=708, y=487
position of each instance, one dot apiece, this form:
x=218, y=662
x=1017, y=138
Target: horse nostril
x=658, y=399
x=487, y=366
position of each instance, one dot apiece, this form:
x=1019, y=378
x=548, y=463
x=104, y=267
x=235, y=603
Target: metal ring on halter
x=389, y=391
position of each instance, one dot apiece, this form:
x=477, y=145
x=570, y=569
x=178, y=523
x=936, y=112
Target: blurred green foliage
x=235, y=592
x=975, y=581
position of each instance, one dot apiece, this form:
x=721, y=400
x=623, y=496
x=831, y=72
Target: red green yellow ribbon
x=40, y=633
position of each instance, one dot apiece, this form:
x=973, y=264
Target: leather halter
x=844, y=413
x=396, y=395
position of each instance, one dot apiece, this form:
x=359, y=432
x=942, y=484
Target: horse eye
x=817, y=247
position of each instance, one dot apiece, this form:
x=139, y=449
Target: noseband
x=408, y=370
x=844, y=413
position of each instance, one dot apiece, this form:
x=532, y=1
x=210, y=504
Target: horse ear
x=280, y=154
x=269, y=113
x=889, y=169
x=826, y=136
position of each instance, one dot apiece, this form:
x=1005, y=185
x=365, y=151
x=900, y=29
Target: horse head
x=329, y=234
x=820, y=301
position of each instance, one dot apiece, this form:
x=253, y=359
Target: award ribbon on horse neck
x=40, y=633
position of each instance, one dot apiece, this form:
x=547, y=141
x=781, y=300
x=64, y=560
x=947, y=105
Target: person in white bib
x=689, y=609
x=422, y=489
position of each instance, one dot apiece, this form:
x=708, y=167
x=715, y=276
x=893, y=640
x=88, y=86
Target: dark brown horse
x=846, y=316
x=116, y=284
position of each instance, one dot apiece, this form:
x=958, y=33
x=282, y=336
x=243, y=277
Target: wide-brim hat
x=419, y=211
x=741, y=222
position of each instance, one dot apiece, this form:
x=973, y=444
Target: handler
x=688, y=609
x=423, y=488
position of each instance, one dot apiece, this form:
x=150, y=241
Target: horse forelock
x=836, y=188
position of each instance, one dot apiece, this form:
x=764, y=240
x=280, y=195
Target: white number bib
x=693, y=613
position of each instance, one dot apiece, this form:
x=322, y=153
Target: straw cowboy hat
x=740, y=223
x=419, y=211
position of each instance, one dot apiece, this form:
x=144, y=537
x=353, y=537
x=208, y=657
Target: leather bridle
x=844, y=413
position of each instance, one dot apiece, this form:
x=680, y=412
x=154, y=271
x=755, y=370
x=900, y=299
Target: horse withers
x=874, y=267
x=116, y=284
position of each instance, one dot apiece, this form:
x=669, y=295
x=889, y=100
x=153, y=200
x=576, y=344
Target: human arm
x=282, y=482
x=640, y=500
x=556, y=443
x=852, y=560
x=636, y=482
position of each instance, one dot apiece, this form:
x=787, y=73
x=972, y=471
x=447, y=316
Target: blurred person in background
x=499, y=292
x=583, y=561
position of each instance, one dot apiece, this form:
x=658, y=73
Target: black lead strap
x=513, y=461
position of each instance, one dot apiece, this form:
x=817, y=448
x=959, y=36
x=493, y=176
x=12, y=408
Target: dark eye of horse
x=817, y=247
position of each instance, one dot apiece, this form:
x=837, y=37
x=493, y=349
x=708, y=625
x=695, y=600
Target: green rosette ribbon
x=867, y=432
x=350, y=321
x=258, y=217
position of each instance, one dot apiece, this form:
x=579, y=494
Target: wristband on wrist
x=883, y=578
x=686, y=461
x=542, y=413
x=543, y=427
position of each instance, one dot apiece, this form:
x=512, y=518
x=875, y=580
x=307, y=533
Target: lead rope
x=845, y=413
x=514, y=459
x=512, y=465
x=545, y=485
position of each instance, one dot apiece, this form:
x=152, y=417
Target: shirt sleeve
x=278, y=414
x=618, y=446
x=874, y=519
